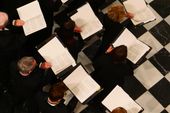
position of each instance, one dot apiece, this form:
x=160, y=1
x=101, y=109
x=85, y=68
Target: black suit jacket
x=24, y=87
x=10, y=6
x=44, y=107
x=112, y=30
x=109, y=73
x=11, y=44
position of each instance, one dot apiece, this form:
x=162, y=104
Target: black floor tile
x=164, y=111
x=161, y=32
x=162, y=7
x=133, y=87
x=161, y=61
x=137, y=30
x=161, y=92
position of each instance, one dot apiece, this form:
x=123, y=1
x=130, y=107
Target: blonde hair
x=3, y=19
x=116, y=12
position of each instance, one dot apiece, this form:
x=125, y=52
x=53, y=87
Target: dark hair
x=69, y=25
x=119, y=110
x=57, y=92
x=119, y=53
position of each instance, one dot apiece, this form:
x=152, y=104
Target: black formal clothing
x=10, y=6
x=109, y=73
x=10, y=43
x=10, y=46
x=71, y=40
x=112, y=30
x=44, y=107
x=24, y=87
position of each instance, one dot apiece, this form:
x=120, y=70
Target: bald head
x=3, y=19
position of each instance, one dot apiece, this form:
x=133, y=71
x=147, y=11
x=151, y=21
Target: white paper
x=142, y=14
x=67, y=97
x=136, y=48
x=32, y=15
x=119, y=98
x=81, y=84
x=87, y=21
x=56, y=54
x=64, y=1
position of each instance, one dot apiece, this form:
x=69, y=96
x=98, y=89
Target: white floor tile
x=167, y=47
x=148, y=1
x=149, y=39
x=168, y=108
x=80, y=107
x=168, y=76
x=149, y=25
x=167, y=19
x=149, y=103
x=147, y=74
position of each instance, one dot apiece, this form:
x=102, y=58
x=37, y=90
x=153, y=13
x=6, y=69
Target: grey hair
x=26, y=64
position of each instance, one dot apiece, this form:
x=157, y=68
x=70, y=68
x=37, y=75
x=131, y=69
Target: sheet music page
x=59, y=57
x=119, y=98
x=81, y=84
x=32, y=15
x=136, y=48
x=64, y=1
x=142, y=13
x=87, y=21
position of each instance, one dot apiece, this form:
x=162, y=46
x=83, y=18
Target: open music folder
x=142, y=14
x=81, y=84
x=32, y=15
x=119, y=98
x=56, y=54
x=136, y=48
x=87, y=21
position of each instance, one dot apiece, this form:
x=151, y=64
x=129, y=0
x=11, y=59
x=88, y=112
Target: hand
x=129, y=15
x=19, y=23
x=77, y=29
x=109, y=49
x=45, y=65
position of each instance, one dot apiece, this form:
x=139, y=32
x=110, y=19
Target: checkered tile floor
x=150, y=85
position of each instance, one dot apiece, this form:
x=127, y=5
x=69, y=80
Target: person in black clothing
x=111, y=23
x=11, y=43
x=69, y=34
x=52, y=102
x=46, y=6
x=27, y=78
x=112, y=30
x=111, y=68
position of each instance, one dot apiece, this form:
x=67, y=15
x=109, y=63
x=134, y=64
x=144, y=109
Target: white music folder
x=119, y=98
x=57, y=55
x=136, y=48
x=142, y=14
x=81, y=84
x=33, y=17
x=87, y=21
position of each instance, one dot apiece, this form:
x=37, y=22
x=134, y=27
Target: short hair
x=119, y=110
x=56, y=92
x=119, y=53
x=3, y=18
x=69, y=25
x=26, y=64
x=116, y=12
